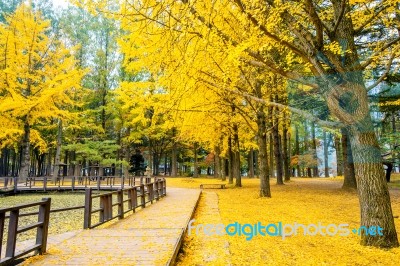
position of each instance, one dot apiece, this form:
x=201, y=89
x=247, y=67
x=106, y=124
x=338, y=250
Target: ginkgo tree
x=328, y=46
x=37, y=77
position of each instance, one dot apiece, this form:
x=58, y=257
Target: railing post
x=155, y=187
x=6, y=182
x=142, y=196
x=42, y=231
x=103, y=209
x=88, y=209
x=45, y=183
x=2, y=219
x=120, y=204
x=150, y=190
x=12, y=233
x=122, y=182
x=134, y=198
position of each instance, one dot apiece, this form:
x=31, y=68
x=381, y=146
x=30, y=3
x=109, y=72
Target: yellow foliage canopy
x=37, y=73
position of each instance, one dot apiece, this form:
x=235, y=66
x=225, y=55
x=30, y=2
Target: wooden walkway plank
x=147, y=237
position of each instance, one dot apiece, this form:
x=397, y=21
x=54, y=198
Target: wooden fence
x=112, y=204
x=127, y=200
x=46, y=183
x=14, y=230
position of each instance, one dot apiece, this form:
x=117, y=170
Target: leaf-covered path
x=148, y=237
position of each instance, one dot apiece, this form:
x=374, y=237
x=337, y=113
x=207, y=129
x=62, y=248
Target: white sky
x=60, y=3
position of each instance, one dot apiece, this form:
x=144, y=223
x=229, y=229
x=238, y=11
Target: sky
x=60, y=3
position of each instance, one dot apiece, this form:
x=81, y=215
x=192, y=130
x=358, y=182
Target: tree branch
x=387, y=70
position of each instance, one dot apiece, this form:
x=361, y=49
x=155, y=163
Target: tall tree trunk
x=65, y=166
x=7, y=162
x=348, y=163
x=14, y=168
x=339, y=156
x=224, y=170
x=230, y=165
x=165, y=163
x=25, y=153
x=347, y=100
x=256, y=165
x=72, y=163
x=265, y=189
x=326, y=158
x=271, y=156
x=277, y=151
x=236, y=156
x=314, y=147
x=58, y=152
x=250, y=163
x=306, y=146
x=393, y=147
x=297, y=148
x=2, y=162
x=217, y=162
x=174, y=165
x=285, y=153
x=196, y=163
x=372, y=189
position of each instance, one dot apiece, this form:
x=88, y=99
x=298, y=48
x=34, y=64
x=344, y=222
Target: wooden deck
x=152, y=236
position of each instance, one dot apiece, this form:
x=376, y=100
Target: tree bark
x=58, y=152
x=224, y=169
x=306, y=146
x=372, y=189
x=196, y=163
x=285, y=154
x=236, y=156
x=277, y=151
x=230, y=160
x=250, y=158
x=217, y=162
x=271, y=156
x=25, y=153
x=174, y=166
x=256, y=166
x=348, y=163
x=326, y=158
x=297, y=147
x=339, y=156
x=265, y=189
x=314, y=147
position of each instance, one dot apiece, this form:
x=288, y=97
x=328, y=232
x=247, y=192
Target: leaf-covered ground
x=303, y=201
x=60, y=222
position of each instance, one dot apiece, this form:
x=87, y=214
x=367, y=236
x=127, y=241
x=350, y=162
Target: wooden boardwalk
x=152, y=236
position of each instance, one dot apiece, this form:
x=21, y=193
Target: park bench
x=202, y=186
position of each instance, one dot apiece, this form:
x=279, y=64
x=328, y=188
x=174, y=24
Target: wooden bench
x=202, y=186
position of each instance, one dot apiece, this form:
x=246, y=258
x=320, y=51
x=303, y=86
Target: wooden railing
x=127, y=200
x=46, y=183
x=112, y=204
x=14, y=230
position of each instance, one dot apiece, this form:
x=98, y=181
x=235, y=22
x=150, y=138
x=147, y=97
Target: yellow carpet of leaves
x=303, y=201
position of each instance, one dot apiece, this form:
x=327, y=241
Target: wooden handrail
x=13, y=230
x=46, y=183
x=154, y=190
